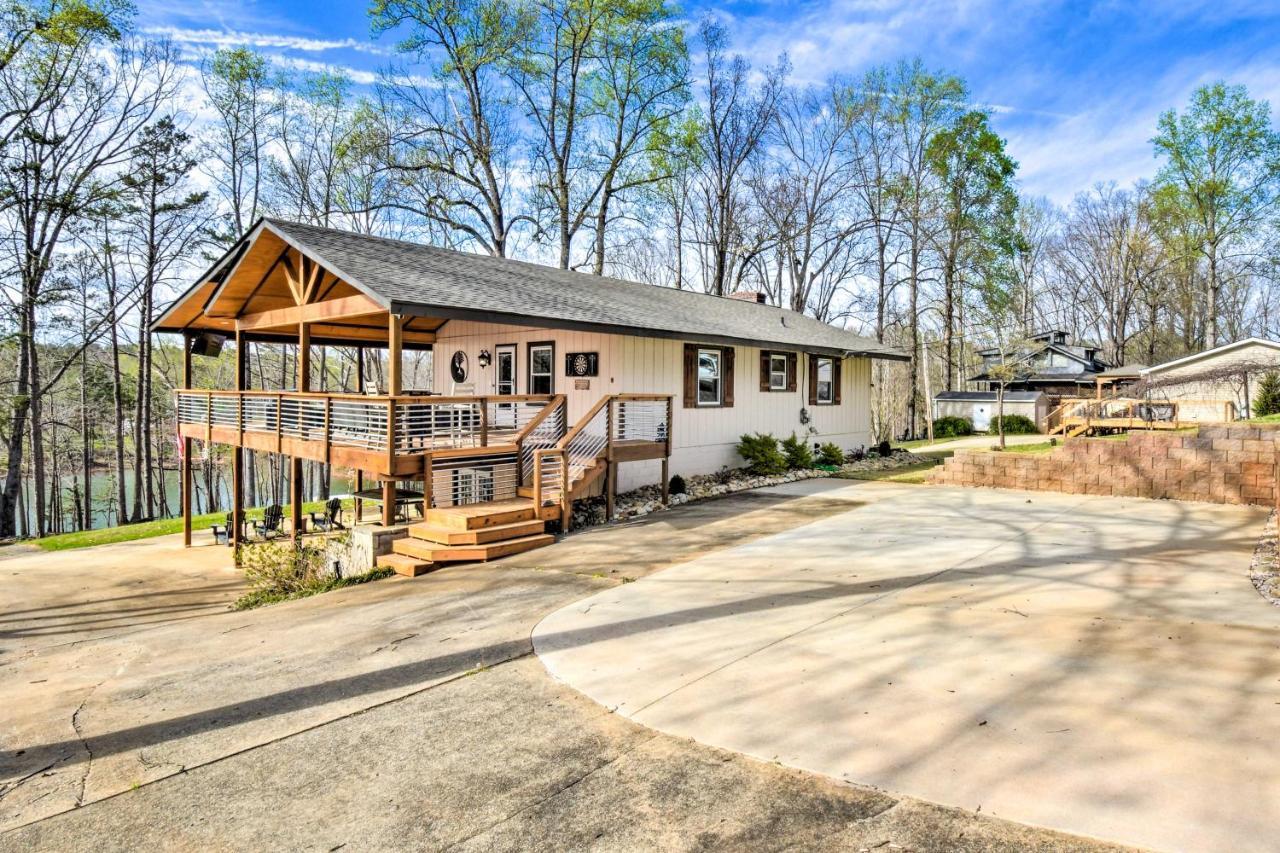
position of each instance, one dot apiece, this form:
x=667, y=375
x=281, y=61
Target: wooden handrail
x=584, y=420
x=371, y=398
x=556, y=400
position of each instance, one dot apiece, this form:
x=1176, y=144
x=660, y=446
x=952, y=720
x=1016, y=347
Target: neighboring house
x=1053, y=366
x=1204, y=383
x=981, y=406
x=550, y=378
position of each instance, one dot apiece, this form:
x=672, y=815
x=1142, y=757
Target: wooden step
x=476, y=516
x=479, y=536
x=432, y=552
x=410, y=567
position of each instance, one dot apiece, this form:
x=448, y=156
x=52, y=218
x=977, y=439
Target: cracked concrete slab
x=1101, y=666
x=395, y=714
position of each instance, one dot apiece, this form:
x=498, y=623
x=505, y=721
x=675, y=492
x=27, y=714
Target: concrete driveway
x=1097, y=665
x=137, y=712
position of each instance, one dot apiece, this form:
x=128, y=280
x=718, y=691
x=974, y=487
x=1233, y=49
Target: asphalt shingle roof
x=415, y=279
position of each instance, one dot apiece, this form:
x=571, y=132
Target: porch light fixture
x=484, y=358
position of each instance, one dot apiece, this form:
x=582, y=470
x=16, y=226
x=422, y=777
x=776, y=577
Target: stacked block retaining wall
x=1225, y=463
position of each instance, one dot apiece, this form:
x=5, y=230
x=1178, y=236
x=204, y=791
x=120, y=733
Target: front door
x=505, y=384
x=505, y=354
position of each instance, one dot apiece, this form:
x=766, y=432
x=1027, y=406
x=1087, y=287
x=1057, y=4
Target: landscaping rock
x=589, y=512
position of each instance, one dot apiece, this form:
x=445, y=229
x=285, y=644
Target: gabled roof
x=416, y=280
x=1210, y=353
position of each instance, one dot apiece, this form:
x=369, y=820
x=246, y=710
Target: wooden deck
x=1120, y=414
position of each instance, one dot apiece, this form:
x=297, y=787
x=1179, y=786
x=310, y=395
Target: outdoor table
x=403, y=497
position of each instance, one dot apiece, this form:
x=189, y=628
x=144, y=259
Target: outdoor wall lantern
x=484, y=359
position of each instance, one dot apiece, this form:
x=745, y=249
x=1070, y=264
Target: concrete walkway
x=1097, y=665
x=139, y=713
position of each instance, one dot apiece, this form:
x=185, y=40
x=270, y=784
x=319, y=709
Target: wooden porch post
x=395, y=387
x=187, y=479
x=295, y=462
x=395, y=346
x=237, y=455
x=359, y=484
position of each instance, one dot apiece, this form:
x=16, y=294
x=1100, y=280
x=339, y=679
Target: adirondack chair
x=272, y=523
x=222, y=532
x=331, y=518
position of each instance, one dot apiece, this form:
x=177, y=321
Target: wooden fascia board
x=248, y=241
x=316, y=312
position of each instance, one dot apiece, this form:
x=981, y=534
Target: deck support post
x=359, y=485
x=388, y=503
x=611, y=488
x=237, y=454
x=666, y=482
x=295, y=497
x=295, y=462
x=187, y=479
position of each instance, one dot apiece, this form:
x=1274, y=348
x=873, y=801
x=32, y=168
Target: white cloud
x=231, y=38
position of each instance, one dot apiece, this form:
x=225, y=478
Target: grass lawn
x=148, y=529
x=905, y=474
x=1265, y=419
x=922, y=443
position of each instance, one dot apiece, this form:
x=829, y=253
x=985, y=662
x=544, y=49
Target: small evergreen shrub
x=830, y=454
x=797, y=451
x=1014, y=425
x=952, y=426
x=762, y=454
x=677, y=486
x=1267, y=400
x=884, y=449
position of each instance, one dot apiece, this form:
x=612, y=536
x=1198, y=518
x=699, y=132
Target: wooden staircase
x=467, y=534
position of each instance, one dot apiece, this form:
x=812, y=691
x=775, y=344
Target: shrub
x=884, y=449
x=797, y=452
x=856, y=455
x=952, y=426
x=280, y=571
x=830, y=454
x=677, y=486
x=1014, y=425
x=1267, y=401
x=762, y=454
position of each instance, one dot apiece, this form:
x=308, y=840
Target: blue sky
x=1075, y=87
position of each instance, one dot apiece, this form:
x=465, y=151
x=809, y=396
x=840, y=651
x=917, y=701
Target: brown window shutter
x=726, y=377
x=813, y=380
x=836, y=365
x=690, y=375
x=791, y=372
x=764, y=369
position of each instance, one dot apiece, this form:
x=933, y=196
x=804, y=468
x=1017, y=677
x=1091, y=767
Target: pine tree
x=1267, y=400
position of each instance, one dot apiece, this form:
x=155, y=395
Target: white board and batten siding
x=703, y=438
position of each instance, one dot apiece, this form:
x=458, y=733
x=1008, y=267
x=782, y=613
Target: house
x=1054, y=366
x=1215, y=385
x=981, y=406
x=547, y=384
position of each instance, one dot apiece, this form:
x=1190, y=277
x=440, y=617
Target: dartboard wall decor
x=458, y=366
x=581, y=364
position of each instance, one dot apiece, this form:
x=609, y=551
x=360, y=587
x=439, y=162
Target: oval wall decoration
x=458, y=366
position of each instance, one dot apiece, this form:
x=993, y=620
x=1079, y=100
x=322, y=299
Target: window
x=542, y=357
x=826, y=381
x=777, y=371
x=708, y=376
x=710, y=389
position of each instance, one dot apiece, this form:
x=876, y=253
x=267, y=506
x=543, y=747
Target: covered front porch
x=449, y=450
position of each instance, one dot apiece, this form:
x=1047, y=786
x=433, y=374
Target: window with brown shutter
x=824, y=380
x=777, y=371
x=708, y=376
